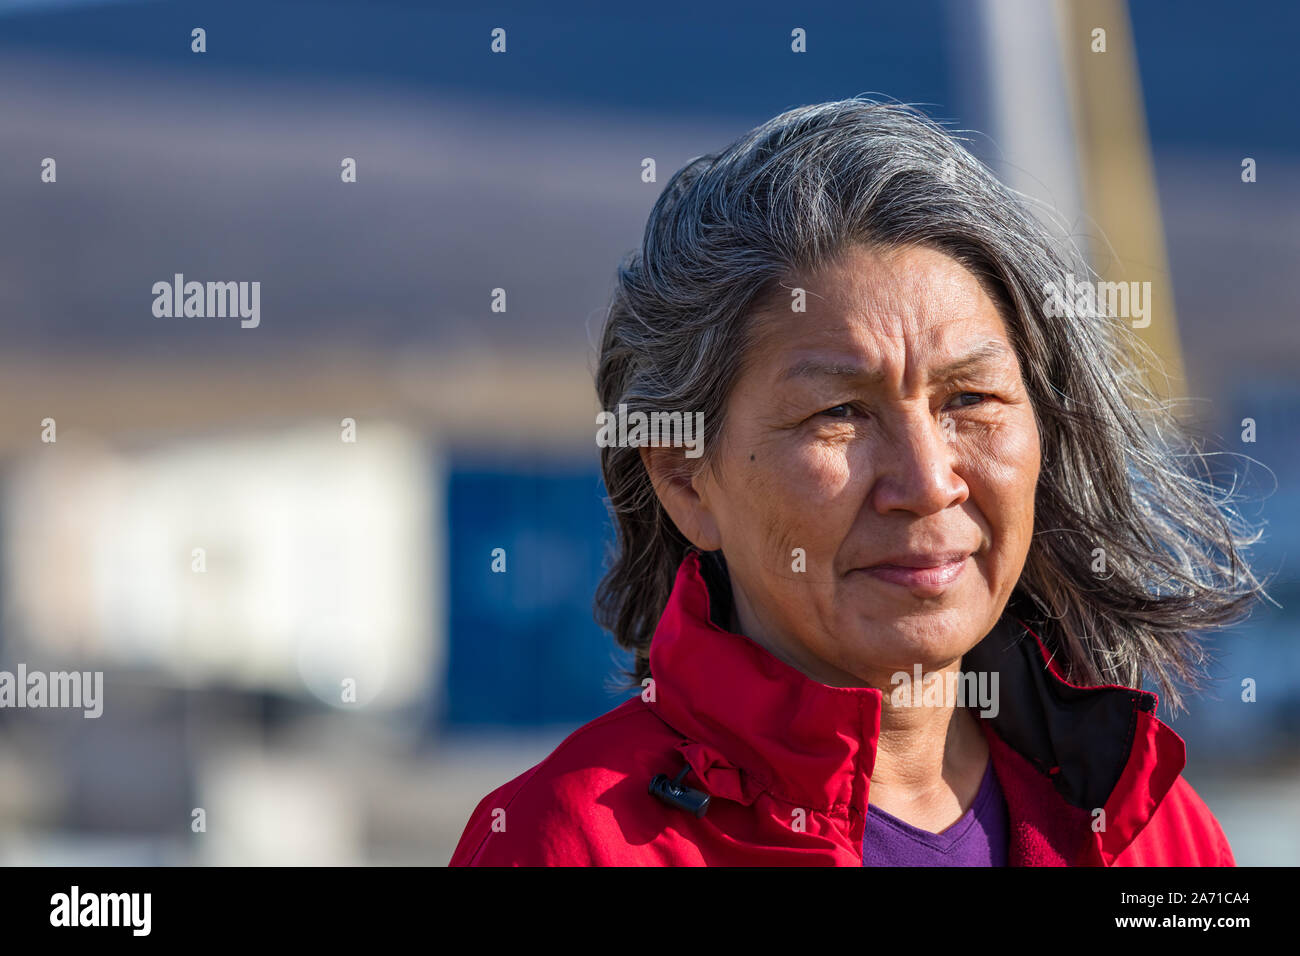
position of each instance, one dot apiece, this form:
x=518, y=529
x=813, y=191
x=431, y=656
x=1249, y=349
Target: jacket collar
x=1061, y=752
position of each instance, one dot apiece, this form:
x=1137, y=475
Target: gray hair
x=1118, y=471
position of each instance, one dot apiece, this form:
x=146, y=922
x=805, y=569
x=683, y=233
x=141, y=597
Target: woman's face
x=886, y=425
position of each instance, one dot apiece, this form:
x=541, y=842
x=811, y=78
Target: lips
x=922, y=559
x=925, y=575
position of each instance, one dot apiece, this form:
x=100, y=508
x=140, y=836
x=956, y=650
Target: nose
x=916, y=467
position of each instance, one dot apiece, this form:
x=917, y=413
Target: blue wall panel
x=524, y=647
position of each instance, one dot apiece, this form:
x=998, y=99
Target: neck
x=930, y=761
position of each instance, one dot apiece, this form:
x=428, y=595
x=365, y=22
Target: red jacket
x=764, y=742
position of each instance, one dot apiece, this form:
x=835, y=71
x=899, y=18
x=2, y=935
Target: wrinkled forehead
x=873, y=301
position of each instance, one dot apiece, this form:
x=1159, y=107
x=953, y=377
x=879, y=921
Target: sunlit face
x=886, y=425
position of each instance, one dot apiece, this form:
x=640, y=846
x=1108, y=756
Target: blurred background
x=203, y=533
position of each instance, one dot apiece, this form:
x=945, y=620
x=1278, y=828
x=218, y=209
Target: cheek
x=825, y=483
x=790, y=493
x=1003, y=476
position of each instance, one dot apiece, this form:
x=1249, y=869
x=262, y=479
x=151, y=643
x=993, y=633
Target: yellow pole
x=1119, y=191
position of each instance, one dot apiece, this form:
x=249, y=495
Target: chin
x=930, y=638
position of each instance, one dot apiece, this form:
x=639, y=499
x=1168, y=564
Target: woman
x=898, y=611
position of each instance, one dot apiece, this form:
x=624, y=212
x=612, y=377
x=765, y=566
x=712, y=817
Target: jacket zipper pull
x=673, y=793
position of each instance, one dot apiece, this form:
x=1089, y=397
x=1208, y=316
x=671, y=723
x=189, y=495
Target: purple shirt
x=979, y=838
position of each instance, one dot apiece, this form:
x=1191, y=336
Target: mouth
x=925, y=575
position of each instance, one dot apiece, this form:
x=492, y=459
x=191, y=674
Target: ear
x=679, y=491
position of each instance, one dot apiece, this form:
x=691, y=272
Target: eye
x=838, y=411
x=978, y=396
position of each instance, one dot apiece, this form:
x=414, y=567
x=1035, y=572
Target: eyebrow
x=986, y=352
